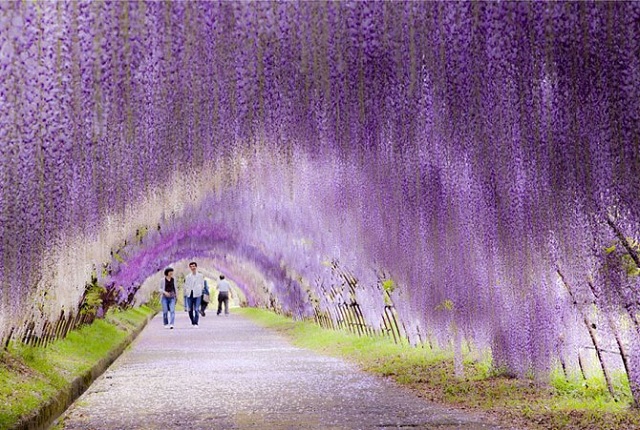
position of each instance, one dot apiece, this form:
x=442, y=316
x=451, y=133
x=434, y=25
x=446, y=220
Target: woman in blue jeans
x=168, y=291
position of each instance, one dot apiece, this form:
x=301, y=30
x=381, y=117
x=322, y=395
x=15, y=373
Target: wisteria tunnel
x=462, y=175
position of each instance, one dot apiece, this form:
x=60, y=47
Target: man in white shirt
x=224, y=290
x=193, y=286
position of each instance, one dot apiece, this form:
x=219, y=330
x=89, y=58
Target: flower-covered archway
x=475, y=161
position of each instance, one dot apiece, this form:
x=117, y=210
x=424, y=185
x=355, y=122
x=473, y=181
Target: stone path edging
x=52, y=409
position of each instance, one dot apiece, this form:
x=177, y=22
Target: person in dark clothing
x=205, y=299
x=169, y=295
x=224, y=290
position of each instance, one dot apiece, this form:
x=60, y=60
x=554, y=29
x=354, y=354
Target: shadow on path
x=233, y=374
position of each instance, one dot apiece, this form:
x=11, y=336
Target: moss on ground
x=31, y=376
x=525, y=404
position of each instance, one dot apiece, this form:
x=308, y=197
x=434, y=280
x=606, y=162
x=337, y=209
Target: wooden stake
x=592, y=335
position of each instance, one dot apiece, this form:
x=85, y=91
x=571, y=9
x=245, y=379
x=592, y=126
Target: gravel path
x=232, y=374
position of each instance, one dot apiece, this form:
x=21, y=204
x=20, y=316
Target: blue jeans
x=194, y=308
x=186, y=303
x=168, y=307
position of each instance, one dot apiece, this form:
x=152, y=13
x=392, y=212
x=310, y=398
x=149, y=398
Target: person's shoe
x=195, y=326
x=166, y=326
x=171, y=327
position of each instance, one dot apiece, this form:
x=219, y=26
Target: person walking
x=224, y=290
x=168, y=300
x=205, y=299
x=193, y=286
x=186, y=301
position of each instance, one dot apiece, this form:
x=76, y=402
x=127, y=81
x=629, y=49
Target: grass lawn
x=517, y=403
x=30, y=376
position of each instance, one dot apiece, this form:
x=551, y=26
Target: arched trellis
x=285, y=295
x=264, y=282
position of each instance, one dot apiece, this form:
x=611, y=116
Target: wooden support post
x=42, y=341
x=392, y=328
x=342, y=323
x=343, y=315
x=360, y=318
x=7, y=340
x=26, y=338
x=592, y=335
x=50, y=334
x=388, y=326
x=351, y=320
x=581, y=366
x=59, y=326
x=561, y=358
x=67, y=325
x=392, y=317
x=632, y=252
x=563, y=365
x=621, y=347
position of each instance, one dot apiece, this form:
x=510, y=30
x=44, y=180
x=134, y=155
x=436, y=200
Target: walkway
x=232, y=374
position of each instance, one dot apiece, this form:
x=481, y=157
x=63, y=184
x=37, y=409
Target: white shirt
x=224, y=286
x=194, y=283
